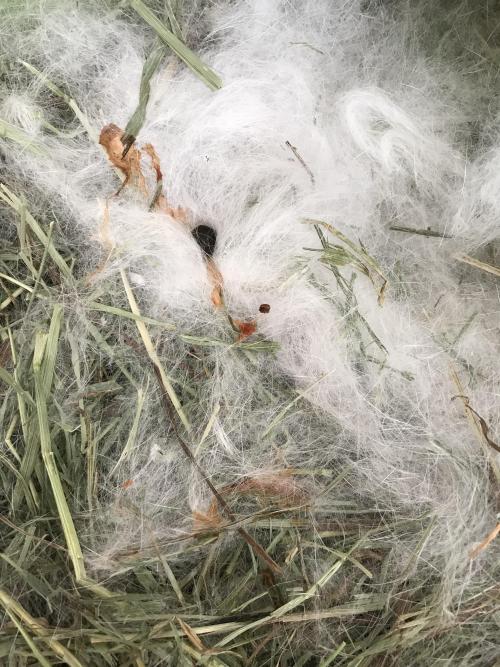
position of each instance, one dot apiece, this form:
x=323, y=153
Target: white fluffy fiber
x=385, y=128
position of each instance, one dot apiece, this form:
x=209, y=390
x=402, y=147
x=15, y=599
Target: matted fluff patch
x=249, y=333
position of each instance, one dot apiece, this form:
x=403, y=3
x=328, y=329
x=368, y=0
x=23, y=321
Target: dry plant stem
x=16, y=203
x=127, y=162
x=44, y=359
x=159, y=200
x=150, y=349
x=170, y=399
x=206, y=74
x=360, y=254
x=13, y=608
x=43, y=380
x=259, y=551
x=130, y=164
x=475, y=422
x=301, y=160
x=17, y=135
x=494, y=270
x=281, y=615
x=485, y=429
x=217, y=282
x=67, y=99
x=486, y=542
x=421, y=232
x=137, y=119
x=34, y=649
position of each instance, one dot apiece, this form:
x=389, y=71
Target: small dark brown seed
x=264, y=308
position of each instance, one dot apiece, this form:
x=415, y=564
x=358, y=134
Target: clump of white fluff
x=381, y=132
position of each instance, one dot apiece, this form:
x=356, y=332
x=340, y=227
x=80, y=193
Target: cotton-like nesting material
x=381, y=118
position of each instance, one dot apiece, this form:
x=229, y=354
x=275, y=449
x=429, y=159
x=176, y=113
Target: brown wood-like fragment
x=280, y=486
x=130, y=164
x=245, y=329
x=159, y=199
x=217, y=282
x=209, y=520
x=485, y=429
x=487, y=540
x=254, y=545
x=127, y=159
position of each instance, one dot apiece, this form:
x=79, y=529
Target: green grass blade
x=20, y=137
x=13, y=608
x=17, y=205
x=137, y=119
x=43, y=368
x=33, y=647
x=150, y=349
x=204, y=72
x=67, y=98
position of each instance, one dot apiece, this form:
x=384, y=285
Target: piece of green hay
x=205, y=73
